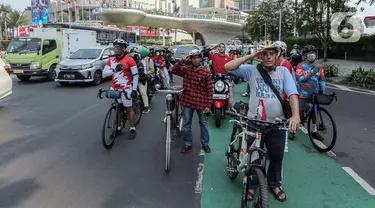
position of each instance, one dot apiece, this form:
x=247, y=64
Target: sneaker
x=185, y=148
x=133, y=134
x=146, y=110
x=245, y=94
x=206, y=149
x=317, y=136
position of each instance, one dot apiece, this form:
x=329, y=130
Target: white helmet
x=282, y=46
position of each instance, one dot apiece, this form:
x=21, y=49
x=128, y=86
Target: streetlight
x=281, y=2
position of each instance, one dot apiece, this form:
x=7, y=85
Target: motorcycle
x=221, y=96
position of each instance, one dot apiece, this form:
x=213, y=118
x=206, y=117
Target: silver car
x=84, y=65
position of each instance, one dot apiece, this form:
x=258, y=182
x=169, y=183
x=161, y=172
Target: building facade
x=248, y=5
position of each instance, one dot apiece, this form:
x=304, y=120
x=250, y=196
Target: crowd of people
x=295, y=77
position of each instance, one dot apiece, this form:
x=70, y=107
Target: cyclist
x=196, y=96
x=161, y=66
x=310, y=79
x=168, y=61
x=125, y=78
x=264, y=104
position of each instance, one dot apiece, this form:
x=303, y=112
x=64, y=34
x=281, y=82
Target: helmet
x=135, y=56
x=308, y=48
x=295, y=46
x=121, y=43
x=196, y=52
x=143, y=52
x=272, y=46
x=282, y=46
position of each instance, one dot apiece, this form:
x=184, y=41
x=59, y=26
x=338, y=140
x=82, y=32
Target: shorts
x=125, y=102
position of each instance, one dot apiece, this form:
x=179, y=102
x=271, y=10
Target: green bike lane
x=310, y=179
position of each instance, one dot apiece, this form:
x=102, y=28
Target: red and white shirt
x=123, y=79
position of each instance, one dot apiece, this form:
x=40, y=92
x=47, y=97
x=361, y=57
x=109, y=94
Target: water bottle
x=243, y=153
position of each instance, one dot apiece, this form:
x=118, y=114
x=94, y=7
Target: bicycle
x=121, y=116
x=173, y=120
x=250, y=159
x=314, y=110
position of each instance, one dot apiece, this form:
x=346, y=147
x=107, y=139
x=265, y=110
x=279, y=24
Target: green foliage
x=4, y=45
x=268, y=12
x=331, y=70
x=154, y=42
x=361, y=76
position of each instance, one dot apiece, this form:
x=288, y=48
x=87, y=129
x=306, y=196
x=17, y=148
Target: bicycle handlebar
x=100, y=92
x=258, y=122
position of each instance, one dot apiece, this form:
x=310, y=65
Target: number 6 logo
x=355, y=22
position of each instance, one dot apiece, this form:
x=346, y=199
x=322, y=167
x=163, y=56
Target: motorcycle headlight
x=219, y=86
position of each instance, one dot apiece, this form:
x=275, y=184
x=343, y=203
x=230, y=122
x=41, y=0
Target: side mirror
x=38, y=48
x=105, y=57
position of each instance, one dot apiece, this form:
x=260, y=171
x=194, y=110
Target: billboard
x=39, y=11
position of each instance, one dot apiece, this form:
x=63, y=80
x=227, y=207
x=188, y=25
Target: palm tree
x=17, y=19
x=4, y=11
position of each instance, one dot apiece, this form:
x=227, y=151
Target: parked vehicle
x=5, y=82
x=85, y=65
x=39, y=54
x=181, y=51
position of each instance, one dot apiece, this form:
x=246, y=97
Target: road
x=51, y=154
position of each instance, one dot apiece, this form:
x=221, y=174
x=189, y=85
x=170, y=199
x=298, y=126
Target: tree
x=4, y=12
x=260, y=18
x=316, y=18
x=370, y=2
x=17, y=19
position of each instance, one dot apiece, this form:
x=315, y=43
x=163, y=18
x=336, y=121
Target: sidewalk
x=346, y=66
x=311, y=179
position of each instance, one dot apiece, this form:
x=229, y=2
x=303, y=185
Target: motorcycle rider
x=124, y=78
x=310, y=79
x=168, y=64
x=235, y=54
x=149, y=67
x=264, y=104
x=161, y=66
x=196, y=96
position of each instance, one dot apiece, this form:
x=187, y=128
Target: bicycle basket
x=113, y=94
x=321, y=99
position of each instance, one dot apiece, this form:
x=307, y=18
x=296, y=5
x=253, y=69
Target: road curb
x=351, y=84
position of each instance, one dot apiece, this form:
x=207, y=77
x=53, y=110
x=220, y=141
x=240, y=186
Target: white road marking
x=199, y=182
x=340, y=87
x=320, y=144
x=361, y=182
x=201, y=153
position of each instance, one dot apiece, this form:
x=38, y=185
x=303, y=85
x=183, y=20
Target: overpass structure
x=207, y=29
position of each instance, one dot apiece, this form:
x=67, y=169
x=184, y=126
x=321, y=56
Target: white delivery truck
x=38, y=54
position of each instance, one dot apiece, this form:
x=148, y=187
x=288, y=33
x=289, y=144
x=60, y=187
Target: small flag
x=262, y=110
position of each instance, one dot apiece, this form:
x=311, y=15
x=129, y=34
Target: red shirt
x=219, y=61
x=159, y=60
x=125, y=74
x=232, y=56
x=197, y=85
x=288, y=65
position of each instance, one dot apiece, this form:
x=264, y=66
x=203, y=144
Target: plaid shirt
x=198, y=87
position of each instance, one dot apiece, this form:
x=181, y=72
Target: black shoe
x=291, y=136
x=206, y=149
x=132, y=134
x=185, y=149
x=146, y=110
x=317, y=136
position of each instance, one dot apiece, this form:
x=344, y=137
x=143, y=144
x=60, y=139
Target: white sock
x=315, y=129
x=132, y=128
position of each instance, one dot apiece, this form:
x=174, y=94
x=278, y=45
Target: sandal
x=250, y=196
x=277, y=196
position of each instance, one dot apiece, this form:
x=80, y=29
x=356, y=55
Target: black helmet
x=121, y=43
x=196, y=53
x=308, y=48
x=135, y=56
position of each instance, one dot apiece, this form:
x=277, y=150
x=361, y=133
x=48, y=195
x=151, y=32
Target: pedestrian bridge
x=209, y=31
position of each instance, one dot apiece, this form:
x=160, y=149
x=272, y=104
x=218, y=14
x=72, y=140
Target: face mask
x=311, y=57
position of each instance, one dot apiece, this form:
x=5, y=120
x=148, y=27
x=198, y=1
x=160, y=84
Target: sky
x=369, y=11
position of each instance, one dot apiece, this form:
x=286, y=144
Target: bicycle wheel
x=180, y=121
x=322, y=145
x=110, y=122
x=168, y=135
x=261, y=193
x=233, y=154
x=137, y=110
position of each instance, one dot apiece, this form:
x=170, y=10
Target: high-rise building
x=218, y=3
x=248, y=5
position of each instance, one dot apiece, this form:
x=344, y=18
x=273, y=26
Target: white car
x=5, y=81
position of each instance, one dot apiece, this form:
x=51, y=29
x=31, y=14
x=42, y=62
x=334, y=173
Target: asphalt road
x=51, y=154
x=354, y=114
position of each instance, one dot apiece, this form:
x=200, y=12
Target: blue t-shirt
x=259, y=90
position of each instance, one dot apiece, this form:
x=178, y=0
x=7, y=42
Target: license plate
x=220, y=96
x=18, y=71
x=69, y=76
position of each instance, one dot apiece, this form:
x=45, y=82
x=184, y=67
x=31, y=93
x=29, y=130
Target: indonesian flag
x=262, y=110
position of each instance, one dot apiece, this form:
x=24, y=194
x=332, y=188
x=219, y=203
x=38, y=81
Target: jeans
x=203, y=123
x=275, y=143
